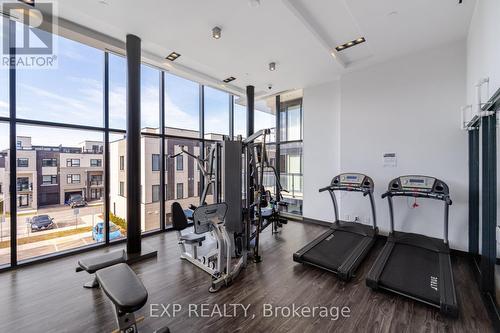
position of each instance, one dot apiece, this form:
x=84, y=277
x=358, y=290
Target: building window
x=1, y=188
x=49, y=180
x=96, y=193
x=122, y=189
x=96, y=163
x=180, y=191
x=19, y=144
x=95, y=148
x=49, y=162
x=156, y=193
x=95, y=180
x=23, y=200
x=122, y=163
x=179, y=163
x=72, y=162
x=22, y=163
x=156, y=162
x=23, y=184
x=73, y=179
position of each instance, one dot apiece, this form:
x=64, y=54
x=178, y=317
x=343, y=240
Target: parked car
x=98, y=232
x=41, y=222
x=76, y=200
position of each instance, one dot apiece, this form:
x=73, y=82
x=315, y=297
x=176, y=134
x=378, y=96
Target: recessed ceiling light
x=216, y=32
x=173, y=56
x=394, y=12
x=272, y=66
x=229, y=79
x=28, y=2
x=350, y=44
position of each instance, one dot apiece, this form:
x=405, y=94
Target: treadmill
x=343, y=247
x=414, y=265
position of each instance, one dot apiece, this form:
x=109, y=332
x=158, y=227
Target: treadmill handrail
x=366, y=191
x=444, y=197
x=345, y=188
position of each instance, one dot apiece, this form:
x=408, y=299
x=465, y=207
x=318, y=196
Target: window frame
x=156, y=163
x=70, y=163
x=179, y=194
x=53, y=180
x=53, y=162
x=23, y=159
x=70, y=179
x=157, y=188
x=98, y=163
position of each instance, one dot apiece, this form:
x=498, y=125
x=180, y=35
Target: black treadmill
x=344, y=246
x=414, y=265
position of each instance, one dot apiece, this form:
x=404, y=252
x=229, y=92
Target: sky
x=73, y=94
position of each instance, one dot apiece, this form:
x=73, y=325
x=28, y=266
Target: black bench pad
x=96, y=263
x=192, y=238
x=123, y=287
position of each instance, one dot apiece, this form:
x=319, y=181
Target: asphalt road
x=63, y=216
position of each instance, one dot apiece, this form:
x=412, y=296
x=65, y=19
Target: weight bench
x=127, y=293
x=93, y=264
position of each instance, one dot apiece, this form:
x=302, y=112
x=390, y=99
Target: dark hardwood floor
x=49, y=297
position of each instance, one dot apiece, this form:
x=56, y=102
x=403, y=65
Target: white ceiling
x=298, y=35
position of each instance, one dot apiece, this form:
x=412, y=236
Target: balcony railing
x=96, y=182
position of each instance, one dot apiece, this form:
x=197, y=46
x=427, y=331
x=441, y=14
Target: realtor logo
x=28, y=35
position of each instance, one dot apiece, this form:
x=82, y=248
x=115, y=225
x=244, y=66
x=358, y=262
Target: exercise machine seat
x=93, y=264
x=179, y=220
x=192, y=238
x=123, y=287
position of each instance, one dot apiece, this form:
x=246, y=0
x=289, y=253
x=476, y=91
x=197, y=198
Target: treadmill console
x=353, y=181
x=418, y=184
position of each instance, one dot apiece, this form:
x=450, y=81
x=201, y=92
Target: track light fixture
x=216, y=32
x=350, y=44
x=173, y=56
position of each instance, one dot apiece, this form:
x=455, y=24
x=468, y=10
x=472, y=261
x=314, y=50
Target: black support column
x=163, y=166
x=107, y=170
x=250, y=110
x=278, y=146
x=489, y=201
x=133, y=144
x=474, y=191
x=13, y=146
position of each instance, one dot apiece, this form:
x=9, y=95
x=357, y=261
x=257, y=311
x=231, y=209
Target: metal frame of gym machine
x=224, y=156
x=483, y=262
x=256, y=164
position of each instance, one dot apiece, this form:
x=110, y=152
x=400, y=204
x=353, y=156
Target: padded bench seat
x=192, y=238
x=123, y=287
x=93, y=264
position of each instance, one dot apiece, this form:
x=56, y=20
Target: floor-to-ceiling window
x=70, y=148
x=290, y=159
x=182, y=128
x=59, y=151
x=4, y=163
x=216, y=113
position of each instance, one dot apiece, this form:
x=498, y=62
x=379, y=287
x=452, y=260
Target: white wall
x=321, y=147
x=409, y=106
x=483, y=47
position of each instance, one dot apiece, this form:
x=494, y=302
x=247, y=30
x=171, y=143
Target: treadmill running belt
x=333, y=250
x=413, y=271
